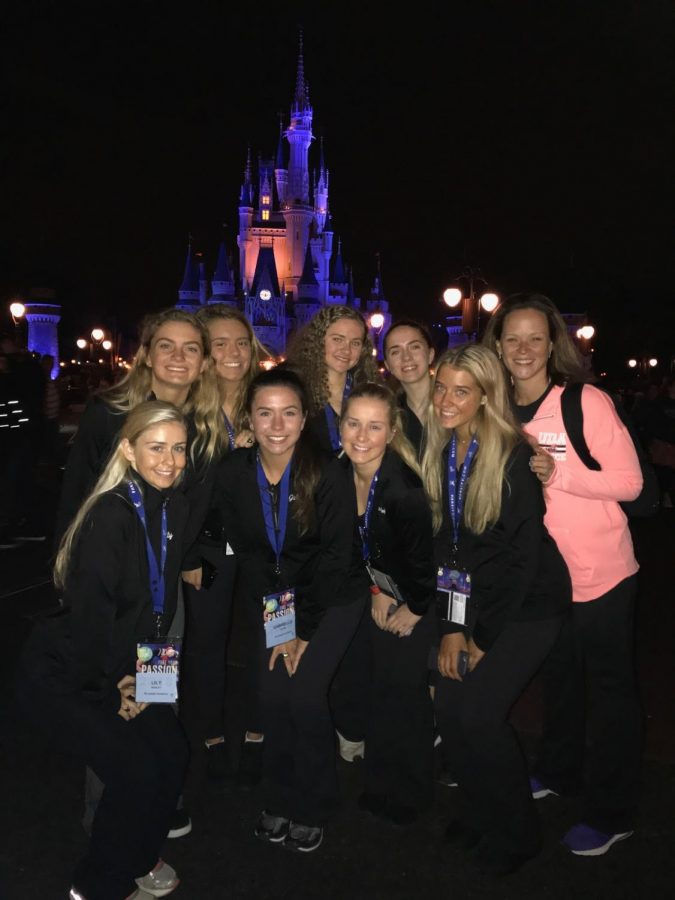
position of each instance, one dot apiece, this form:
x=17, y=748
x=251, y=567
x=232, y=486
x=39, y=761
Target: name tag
x=279, y=617
x=157, y=670
x=455, y=584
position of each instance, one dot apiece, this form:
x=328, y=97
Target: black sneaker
x=249, y=772
x=217, y=766
x=303, y=838
x=181, y=824
x=273, y=829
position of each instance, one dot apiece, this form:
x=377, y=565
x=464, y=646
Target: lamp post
x=470, y=303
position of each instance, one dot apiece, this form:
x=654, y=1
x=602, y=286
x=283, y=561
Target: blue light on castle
x=289, y=264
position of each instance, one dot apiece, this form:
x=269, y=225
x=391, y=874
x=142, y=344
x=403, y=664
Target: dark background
x=533, y=141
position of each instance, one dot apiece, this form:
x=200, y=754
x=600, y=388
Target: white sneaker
x=160, y=881
x=350, y=750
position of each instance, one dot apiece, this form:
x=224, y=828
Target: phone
x=463, y=663
x=209, y=573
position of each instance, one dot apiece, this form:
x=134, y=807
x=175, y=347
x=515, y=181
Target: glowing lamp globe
x=81, y=343
x=17, y=310
x=632, y=363
x=97, y=334
x=489, y=302
x=586, y=332
x=452, y=297
x=107, y=345
x=376, y=320
x=653, y=362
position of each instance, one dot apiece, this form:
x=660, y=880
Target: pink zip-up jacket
x=583, y=515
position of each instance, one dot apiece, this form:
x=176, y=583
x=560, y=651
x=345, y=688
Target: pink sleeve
x=611, y=445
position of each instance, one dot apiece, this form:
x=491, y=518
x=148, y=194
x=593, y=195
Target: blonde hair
x=216, y=311
x=144, y=416
x=399, y=443
x=203, y=400
x=496, y=430
x=307, y=354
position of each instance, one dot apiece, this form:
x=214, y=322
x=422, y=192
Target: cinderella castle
x=290, y=264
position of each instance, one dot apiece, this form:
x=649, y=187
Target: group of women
x=373, y=535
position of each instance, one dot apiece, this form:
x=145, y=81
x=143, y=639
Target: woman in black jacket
x=503, y=591
x=291, y=518
x=397, y=539
x=118, y=565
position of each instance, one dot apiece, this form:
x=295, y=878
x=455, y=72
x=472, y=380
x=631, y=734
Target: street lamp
x=471, y=304
x=643, y=364
x=377, y=321
x=17, y=311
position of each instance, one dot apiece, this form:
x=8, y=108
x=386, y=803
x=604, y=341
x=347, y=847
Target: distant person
x=332, y=354
x=503, y=592
x=76, y=678
x=592, y=736
x=22, y=395
x=408, y=354
x=658, y=430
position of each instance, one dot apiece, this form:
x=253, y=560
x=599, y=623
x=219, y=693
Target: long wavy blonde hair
x=307, y=354
x=203, y=400
x=216, y=311
x=496, y=430
x=146, y=415
x=374, y=390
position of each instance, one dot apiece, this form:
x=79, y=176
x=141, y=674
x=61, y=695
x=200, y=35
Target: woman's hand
x=542, y=464
x=448, y=654
x=193, y=577
x=402, y=621
x=380, y=606
x=129, y=709
x=291, y=652
x=475, y=655
x=244, y=439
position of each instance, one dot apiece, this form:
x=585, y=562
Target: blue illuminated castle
x=289, y=265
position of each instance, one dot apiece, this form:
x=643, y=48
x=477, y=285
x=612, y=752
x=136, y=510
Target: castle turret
x=321, y=194
x=244, y=239
x=299, y=136
x=188, y=293
x=223, y=282
x=43, y=315
x=280, y=169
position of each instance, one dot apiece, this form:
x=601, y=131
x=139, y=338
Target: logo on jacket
x=554, y=443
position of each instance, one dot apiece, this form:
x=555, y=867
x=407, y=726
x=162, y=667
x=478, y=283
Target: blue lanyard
x=157, y=590
x=230, y=430
x=275, y=520
x=363, y=529
x=457, y=491
x=332, y=416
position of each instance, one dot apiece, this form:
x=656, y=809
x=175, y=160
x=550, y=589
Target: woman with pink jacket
x=594, y=657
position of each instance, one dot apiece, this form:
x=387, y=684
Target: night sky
x=531, y=141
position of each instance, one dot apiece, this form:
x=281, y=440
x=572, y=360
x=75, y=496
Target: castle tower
x=222, y=285
x=378, y=304
x=245, y=240
x=43, y=315
x=280, y=170
x=188, y=293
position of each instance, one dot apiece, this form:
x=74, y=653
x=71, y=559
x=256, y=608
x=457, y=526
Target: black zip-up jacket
x=400, y=534
x=96, y=438
x=323, y=565
x=517, y=572
x=91, y=645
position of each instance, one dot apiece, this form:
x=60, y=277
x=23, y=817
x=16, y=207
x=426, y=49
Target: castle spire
x=301, y=87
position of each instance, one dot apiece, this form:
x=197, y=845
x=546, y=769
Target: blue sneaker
x=540, y=790
x=582, y=840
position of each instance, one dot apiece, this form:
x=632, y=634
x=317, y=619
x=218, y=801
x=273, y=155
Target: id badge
x=456, y=584
x=279, y=617
x=157, y=670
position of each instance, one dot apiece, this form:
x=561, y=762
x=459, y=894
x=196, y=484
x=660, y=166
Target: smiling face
x=277, y=419
x=525, y=347
x=343, y=344
x=407, y=355
x=176, y=356
x=230, y=348
x=365, y=431
x=457, y=399
x=159, y=454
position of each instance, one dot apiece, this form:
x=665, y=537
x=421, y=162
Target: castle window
x=265, y=214
x=266, y=199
